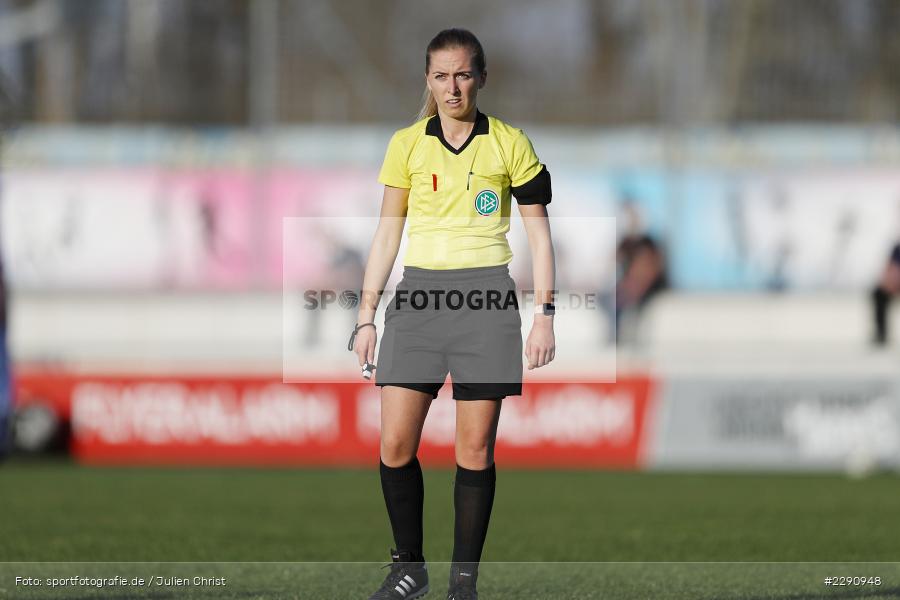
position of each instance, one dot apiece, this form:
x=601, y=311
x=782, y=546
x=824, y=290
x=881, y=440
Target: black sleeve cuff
x=535, y=191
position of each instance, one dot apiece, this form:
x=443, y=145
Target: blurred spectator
x=640, y=275
x=782, y=240
x=348, y=268
x=7, y=114
x=345, y=268
x=887, y=288
x=5, y=379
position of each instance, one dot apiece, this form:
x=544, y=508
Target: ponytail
x=429, y=106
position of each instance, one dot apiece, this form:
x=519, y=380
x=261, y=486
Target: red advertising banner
x=257, y=420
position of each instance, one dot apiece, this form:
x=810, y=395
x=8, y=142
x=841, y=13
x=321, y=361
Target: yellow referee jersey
x=459, y=200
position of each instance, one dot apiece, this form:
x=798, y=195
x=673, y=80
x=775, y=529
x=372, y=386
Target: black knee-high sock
x=473, y=497
x=404, y=496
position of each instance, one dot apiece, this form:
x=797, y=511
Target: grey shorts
x=462, y=321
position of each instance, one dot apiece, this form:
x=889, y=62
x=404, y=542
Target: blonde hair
x=449, y=38
x=429, y=105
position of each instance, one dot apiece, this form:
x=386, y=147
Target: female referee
x=451, y=175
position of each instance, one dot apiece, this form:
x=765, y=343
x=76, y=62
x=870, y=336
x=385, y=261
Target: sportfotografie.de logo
x=442, y=299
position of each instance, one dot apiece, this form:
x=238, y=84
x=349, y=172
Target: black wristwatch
x=547, y=309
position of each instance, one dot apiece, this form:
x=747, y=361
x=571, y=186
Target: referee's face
x=454, y=82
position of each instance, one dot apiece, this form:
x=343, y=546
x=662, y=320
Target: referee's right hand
x=364, y=345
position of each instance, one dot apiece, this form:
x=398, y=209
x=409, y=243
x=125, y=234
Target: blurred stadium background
x=173, y=172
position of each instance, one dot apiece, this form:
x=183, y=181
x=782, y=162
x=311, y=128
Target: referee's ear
x=483, y=79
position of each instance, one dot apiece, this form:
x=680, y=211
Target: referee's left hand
x=541, y=345
x=364, y=345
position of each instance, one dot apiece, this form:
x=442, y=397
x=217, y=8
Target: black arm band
x=535, y=191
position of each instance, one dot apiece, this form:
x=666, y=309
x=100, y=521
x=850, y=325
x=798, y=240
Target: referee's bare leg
x=473, y=490
x=476, y=432
x=403, y=413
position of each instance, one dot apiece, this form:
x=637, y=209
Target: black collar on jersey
x=433, y=127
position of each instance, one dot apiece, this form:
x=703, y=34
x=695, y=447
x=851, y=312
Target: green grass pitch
x=277, y=533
